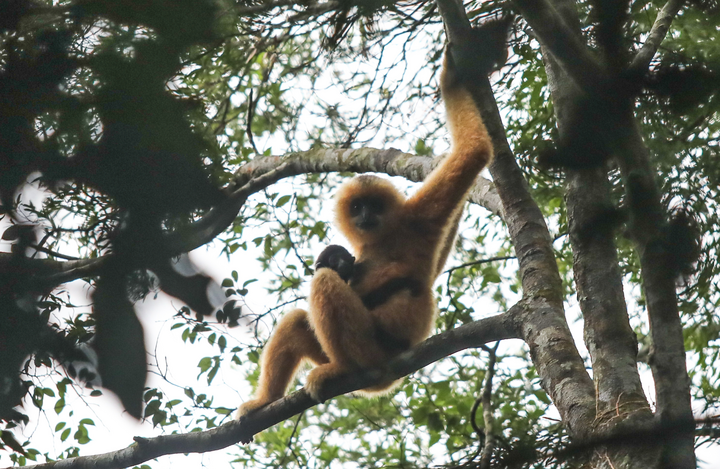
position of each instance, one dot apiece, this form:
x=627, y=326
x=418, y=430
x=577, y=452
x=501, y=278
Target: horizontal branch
x=261, y=173
x=365, y=160
x=49, y=271
x=268, y=6
x=471, y=335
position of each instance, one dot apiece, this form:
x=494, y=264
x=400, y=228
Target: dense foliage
x=125, y=125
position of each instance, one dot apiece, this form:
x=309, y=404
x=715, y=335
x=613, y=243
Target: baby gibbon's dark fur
x=338, y=259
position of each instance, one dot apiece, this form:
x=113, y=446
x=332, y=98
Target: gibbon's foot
x=250, y=406
x=318, y=377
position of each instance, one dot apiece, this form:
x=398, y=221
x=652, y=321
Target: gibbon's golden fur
x=401, y=246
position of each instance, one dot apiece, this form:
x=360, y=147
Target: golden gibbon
x=363, y=312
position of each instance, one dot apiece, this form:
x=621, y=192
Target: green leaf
x=204, y=364
x=59, y=406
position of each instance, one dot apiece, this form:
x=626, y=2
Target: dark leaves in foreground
x=191, y=289
x=685, y=86
x=120, y=344
x=683, y=243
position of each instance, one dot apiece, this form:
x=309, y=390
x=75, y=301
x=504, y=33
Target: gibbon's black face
x=367, y=212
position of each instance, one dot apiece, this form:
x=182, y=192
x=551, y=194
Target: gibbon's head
x=367, y=207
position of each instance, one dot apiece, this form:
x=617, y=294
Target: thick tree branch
x=502, y=326
x=49, y=273
x=363, y=160
x=609, y=338
x=455, y=19
x=263, y=172
x=555, y=35
x=543, y=327
x=659, y=29
x=667, y=353
x=43, y=266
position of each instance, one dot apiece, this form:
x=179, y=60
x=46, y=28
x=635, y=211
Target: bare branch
x=267, y=6
x=478, y=262
x=262, y=173
x=363, y=160
x=50, y=272
x=475, y=334
x=665, y=17
x=544, y=327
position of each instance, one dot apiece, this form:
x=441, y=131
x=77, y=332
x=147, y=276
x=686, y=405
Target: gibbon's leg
x=344, y=328
x=292, y=341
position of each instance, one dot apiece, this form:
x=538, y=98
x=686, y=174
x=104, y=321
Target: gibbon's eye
x=356, y=207
x=362, y=205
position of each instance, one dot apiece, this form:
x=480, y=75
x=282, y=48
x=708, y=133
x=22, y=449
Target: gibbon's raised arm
x=446, y=187
x=367, y=310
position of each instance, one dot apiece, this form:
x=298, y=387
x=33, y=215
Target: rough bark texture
x=607, y=332
x=542, y=323
x=609, y=338
x=554, y=34
x=611, y=342
x=667, y=355
x=363, y=160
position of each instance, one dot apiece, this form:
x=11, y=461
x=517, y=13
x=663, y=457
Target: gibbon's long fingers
x=291, y=343
x=446, y=187
x=342, y=324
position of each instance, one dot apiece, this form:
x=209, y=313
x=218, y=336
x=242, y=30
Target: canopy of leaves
x=136, y=118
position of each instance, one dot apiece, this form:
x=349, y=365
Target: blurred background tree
x=134, y=132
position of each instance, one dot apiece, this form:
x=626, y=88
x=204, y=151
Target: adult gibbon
x=364, y=312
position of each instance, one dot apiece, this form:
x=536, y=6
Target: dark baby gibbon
x=401, y=245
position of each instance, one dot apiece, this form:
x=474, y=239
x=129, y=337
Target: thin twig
x=481, y=261
x=250, y=115
x=53, y=253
